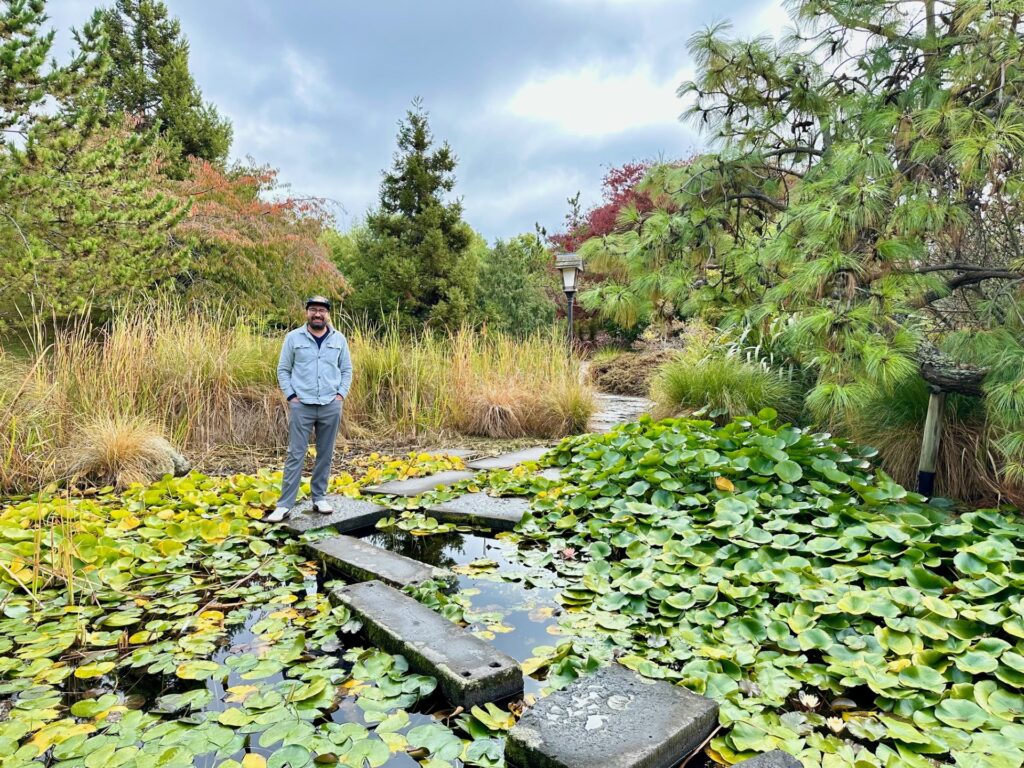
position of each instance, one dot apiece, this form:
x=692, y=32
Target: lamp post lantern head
x=570, y=265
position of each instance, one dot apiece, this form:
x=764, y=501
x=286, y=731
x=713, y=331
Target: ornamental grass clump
x=517, y=387
x=832, y=613
x=968, y=466
x=723, y=387
x=117, y=451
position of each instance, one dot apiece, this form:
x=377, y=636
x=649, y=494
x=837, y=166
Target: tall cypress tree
x=415, y=255
x=149, y=79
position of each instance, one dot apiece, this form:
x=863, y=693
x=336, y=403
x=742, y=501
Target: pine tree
x=149, y=79
x=415, y=254
x=867, y=189
x=82, y=222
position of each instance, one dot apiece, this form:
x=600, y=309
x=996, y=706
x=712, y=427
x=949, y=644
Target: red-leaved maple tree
x=245, y=235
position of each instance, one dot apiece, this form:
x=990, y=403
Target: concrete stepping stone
x=509, y=460
x=458, y=453
x=361, y=561
x=349, y=515
x=774, y=759
x=417, y=485
x=613, y=410
x=613, y=718
x=482, y=511
x=468, y=670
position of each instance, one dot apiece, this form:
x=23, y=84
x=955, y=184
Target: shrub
x=725, y=386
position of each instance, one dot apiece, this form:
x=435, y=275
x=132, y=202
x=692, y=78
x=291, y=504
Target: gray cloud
x=536, y=98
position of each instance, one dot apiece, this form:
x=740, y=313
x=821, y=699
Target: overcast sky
x=537, y=98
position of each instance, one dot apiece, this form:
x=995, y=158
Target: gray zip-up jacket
x=316, y=375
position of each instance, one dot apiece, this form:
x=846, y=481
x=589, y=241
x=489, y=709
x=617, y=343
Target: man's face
x=316, y=317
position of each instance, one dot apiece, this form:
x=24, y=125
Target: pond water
x=512, y=615
x=140, y=691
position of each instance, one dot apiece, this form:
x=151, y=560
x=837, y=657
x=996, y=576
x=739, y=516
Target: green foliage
x=149, y=80
x=516, y=286
x=725, y=386
x=180, y=583
x=867, y=184
x=830, y=612
x=81, y=221
x=252, y=247
x=415, y=256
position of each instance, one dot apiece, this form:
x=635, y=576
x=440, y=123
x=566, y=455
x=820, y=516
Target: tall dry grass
x=207, y=381
x=967, y=467
x=467, y=383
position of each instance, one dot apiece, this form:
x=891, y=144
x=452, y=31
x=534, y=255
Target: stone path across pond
x=482, y=511
x=361, y=561
x=613, y=410
x=349, y=515
x=414, y=486
x=613, y=718
x=469, y=671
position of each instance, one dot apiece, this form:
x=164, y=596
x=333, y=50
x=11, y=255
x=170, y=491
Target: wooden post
x=930, y=442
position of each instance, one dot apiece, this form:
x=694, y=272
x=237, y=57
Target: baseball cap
x=321, y=301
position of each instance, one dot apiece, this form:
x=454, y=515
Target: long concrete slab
x=468, y=670
x=361, y=561
x=349, y=515
x=774, y=759
x=613, y=718
x=509, y=460
x=482, y=511
x=417, y=485
x=459, y=453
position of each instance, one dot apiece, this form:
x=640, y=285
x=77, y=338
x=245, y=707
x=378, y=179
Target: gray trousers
x=303, y=419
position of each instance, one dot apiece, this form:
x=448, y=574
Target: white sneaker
x=323, y=506
x=279, y=514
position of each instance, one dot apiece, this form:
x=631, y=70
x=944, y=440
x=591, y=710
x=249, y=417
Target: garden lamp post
x=570, y=265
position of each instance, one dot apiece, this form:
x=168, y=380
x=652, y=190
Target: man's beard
x=318, y=325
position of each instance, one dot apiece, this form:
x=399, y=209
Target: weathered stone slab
x=417, y=485
x=774, y=759
x=613, y=410
x=349, y=515
x=459, y=453
x=613, y=718
x=482, y=511
x=509, y=460
x=361, y=561
x=468, y=670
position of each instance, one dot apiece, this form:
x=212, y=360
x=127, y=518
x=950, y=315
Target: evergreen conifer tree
x=82, y=223
x=149, y=79
x=415, y=255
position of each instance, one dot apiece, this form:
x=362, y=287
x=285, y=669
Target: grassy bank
x=208, y=380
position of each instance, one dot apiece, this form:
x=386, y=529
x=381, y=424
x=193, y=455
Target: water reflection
x=526, y=612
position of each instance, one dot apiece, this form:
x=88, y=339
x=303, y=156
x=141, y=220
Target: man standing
x=315, y=373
